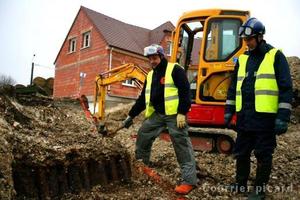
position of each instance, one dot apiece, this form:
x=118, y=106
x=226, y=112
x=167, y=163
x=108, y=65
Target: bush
x=6, y=80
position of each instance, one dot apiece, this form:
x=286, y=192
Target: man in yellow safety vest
x=261, y=94
x=166, y=98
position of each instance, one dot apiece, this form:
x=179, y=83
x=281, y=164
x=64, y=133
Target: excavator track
x=212, y=140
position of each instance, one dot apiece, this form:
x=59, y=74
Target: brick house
x=97, y=43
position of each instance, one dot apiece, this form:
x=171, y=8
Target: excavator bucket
x=85, y=106
x=101, y=129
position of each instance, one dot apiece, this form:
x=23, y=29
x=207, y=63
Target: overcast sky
x=39, y=27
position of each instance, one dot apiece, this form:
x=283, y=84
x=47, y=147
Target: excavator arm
x=118, y=74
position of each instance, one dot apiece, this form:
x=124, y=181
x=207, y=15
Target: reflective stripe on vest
x=266, y=88
x=230, y=102
x=170, y=93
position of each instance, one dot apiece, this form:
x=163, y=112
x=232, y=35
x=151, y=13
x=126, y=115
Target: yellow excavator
x=206, y=43
x=124, y=72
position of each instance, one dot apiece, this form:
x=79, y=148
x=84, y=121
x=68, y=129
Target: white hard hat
x=153, y=49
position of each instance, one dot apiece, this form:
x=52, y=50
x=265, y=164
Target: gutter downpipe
x=110, y=66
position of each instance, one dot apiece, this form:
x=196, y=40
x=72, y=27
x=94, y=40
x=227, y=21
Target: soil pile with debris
x=6, y=181
x=42, y=140
x=294, y=63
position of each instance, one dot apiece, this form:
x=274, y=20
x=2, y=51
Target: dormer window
x=86, y=39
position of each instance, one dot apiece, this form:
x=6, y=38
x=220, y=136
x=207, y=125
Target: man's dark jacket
x=248, y=119
x=157, y=91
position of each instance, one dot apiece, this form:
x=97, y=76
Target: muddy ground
x=40, y=132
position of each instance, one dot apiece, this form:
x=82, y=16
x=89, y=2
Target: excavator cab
x=206, y=43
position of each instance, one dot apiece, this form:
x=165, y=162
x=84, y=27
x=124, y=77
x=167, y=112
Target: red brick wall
x=91, y=60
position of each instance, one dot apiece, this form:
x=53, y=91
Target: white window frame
x=129, y=83
x=72, y=45
x=169, y=46
x=84, y=35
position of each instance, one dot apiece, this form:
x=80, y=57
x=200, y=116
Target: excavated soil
x=47, y=149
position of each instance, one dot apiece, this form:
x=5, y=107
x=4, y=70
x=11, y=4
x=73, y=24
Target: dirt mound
x=47, y=148
x=294, y=63
x=6, y=182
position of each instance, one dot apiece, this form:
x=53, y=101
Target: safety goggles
x=245, y=31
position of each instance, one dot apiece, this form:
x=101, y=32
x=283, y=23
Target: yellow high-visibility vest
x=266, y=88
x=170, y=93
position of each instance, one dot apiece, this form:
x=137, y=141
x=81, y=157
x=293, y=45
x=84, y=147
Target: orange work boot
x=184, y=189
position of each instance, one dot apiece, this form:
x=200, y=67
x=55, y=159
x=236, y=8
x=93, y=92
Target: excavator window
x=221, y=43
x=222, y=39
x=128, y=82
x=190, y=38
x=188, y=51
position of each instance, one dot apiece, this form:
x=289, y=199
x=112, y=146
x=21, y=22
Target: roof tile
x=126, y=36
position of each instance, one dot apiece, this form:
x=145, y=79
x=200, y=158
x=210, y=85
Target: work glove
x=181, y=122
x=280, y=127
x=127, y=122
x=227, y=119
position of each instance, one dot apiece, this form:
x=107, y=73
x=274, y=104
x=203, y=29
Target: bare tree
x=6, y=80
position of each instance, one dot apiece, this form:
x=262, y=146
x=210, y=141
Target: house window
x=86, y=39
x=72, y=45
x=129, y=83
x=169, y=48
